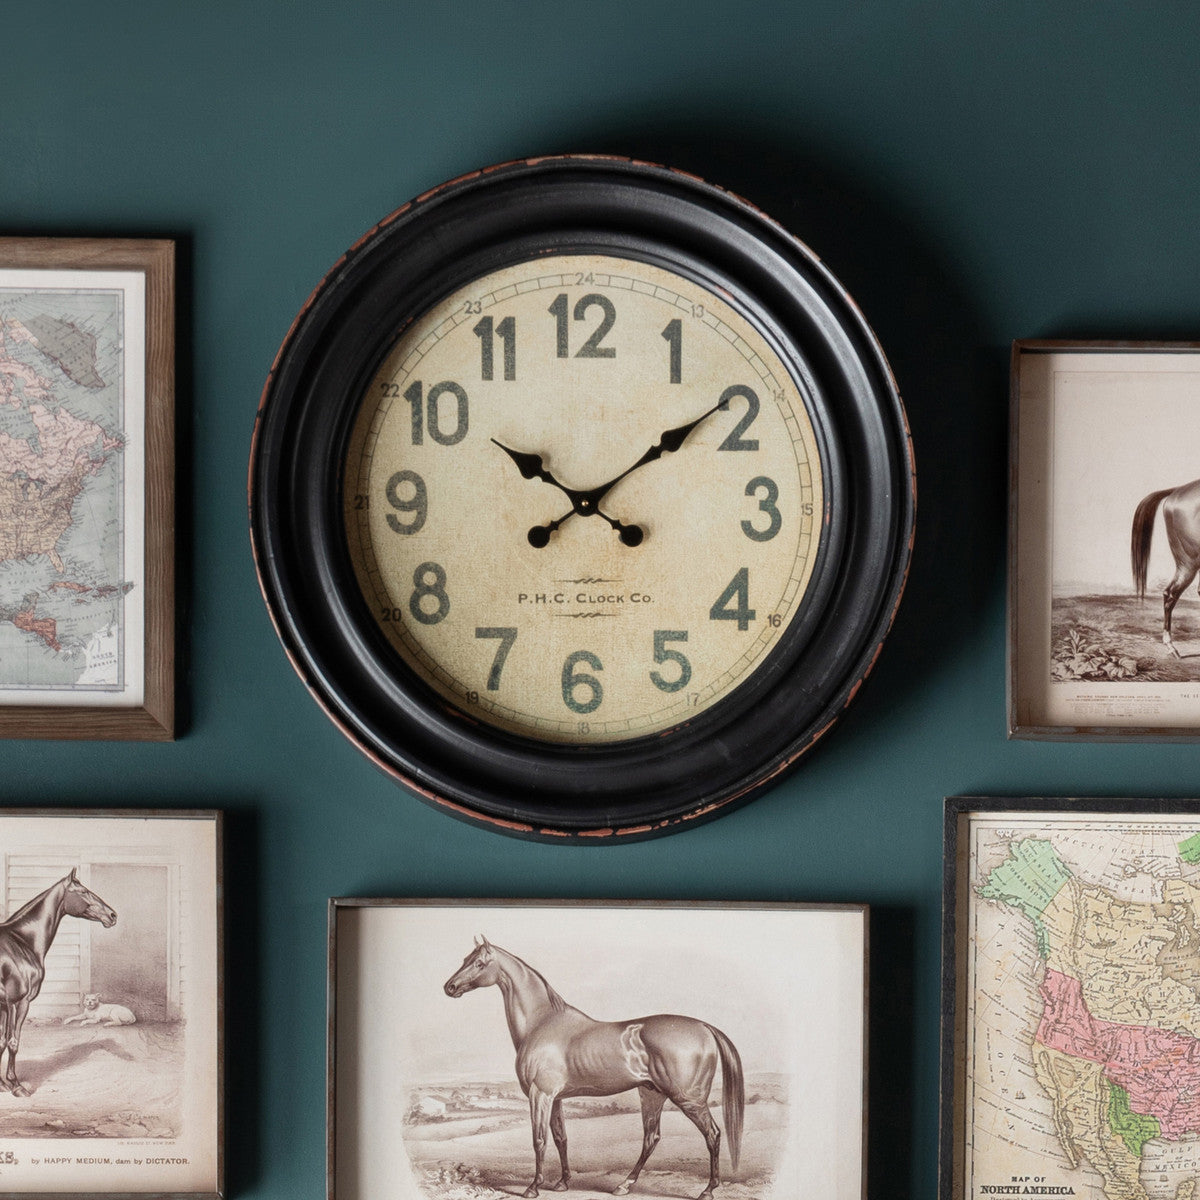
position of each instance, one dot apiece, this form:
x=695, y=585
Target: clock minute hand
x=668, y=443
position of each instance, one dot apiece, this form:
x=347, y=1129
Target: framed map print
x=490, y=1048
x=1071, y=1048
x=86, y=488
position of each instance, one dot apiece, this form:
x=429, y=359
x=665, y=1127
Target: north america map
x=63, y=571
x=1083, y=1007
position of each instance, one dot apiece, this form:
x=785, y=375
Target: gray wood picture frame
x=1095, y=458
x=1057, y=915
x=157, y=1127
x=394, y=1024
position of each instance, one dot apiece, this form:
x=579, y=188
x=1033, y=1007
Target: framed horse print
x=1104, y=541
x=110, y=948
x=520, y=1047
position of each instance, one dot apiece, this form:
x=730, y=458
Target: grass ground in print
x=1115, y=639
x=486, y=1153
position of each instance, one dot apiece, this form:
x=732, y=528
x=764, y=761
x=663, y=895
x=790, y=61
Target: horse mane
x=31, y=905
x=556, y=1001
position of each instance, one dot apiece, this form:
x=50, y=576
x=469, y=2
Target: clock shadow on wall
x=953, y=385
x=954, y=388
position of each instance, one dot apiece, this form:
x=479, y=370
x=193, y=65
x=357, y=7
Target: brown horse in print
x=1181, y=516
x=561, y=1052
x=24, y=940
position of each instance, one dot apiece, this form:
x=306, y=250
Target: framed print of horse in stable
x=742, y=1073
x=87, y=488
x=1104, y=546
x=111, y=1058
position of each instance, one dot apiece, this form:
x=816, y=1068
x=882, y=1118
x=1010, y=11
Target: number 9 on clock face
x=583, y=497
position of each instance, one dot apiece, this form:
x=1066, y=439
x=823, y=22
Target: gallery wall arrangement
x=599, y=601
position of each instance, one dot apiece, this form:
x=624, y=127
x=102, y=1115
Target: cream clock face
x=583, y=498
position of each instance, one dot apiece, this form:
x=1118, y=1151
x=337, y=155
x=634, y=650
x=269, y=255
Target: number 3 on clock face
x=583, y=498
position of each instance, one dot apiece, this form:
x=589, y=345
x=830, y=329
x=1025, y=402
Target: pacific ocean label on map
x=63, y=579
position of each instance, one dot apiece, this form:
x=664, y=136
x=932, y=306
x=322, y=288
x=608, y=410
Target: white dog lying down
x=95, y=1013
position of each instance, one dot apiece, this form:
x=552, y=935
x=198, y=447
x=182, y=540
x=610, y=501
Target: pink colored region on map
x=40, y=479
x=43, y=627
x=66, y=443
x=1158, y=1068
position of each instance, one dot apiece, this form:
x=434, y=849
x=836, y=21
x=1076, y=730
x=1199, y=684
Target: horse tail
x=1140, y=536
x=733, y=1092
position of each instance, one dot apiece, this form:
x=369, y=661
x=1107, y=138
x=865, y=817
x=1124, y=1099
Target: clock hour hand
x=532, y=467
x=586, y=503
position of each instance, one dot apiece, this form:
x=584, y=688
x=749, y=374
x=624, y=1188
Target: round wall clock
x=581, y=497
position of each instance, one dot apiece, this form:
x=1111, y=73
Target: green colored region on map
x=1028, y=879
x=1132, y=1128
x=1189, y=849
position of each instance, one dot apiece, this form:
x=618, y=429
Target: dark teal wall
x=972, y=172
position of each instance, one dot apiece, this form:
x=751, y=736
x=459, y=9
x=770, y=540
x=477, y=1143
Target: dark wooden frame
x=1018, y=725
x=218, y=1191
x=955, y=882
x=594, y=794
x=338, y=904
x=154, y=720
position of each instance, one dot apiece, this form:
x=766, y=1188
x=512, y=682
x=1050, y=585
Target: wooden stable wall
x=75, y=962
x=67, y=975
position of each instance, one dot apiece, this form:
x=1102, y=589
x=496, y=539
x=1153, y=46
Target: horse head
x=479, y=969
x=78, y=901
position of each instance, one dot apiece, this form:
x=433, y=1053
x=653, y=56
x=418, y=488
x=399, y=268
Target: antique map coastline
x=70, y=380
x=1083, y=1006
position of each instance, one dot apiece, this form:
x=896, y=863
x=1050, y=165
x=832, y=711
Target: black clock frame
x=459, y=232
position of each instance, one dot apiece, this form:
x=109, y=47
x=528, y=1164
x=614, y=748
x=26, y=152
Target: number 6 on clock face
x=581, y=497
x=507, y=499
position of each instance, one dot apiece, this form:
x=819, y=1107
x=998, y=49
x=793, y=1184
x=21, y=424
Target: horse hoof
x=529, y=1193
x=21, y=1090
x=560, y=1186
x=621, y=1190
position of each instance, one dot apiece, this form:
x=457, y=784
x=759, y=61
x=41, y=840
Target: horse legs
x=5, y=1027
x=697, y=1112
x=541, y=1105
x=652, y=1106
x=16, y=1020
x=558, y=1130
x=1184, y=574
